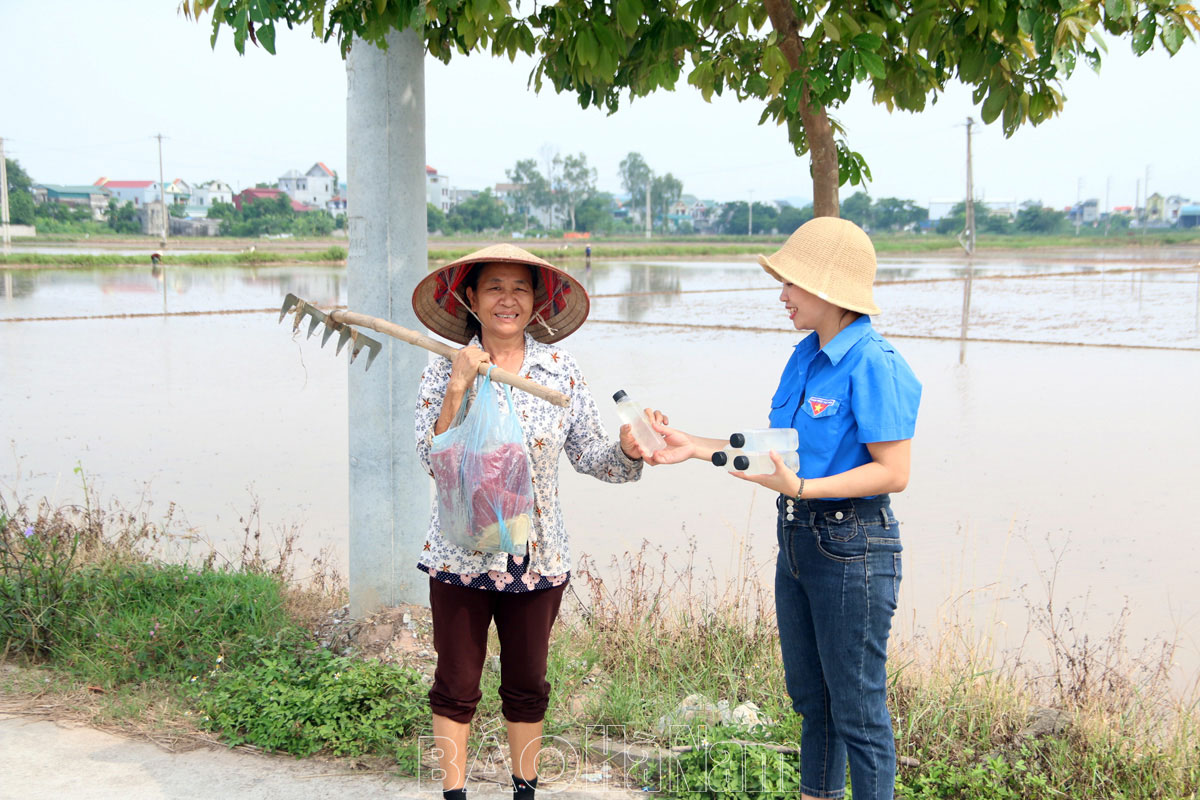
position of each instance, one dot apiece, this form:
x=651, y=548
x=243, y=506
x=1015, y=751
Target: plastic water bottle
x=631, y=414
x=724, y=458
x=757, y=463
x=760, y=440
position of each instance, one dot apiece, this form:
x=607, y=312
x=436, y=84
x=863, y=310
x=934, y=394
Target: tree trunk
x=822, y=150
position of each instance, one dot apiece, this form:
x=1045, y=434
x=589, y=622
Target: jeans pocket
x=842, y=525
x=840, y=542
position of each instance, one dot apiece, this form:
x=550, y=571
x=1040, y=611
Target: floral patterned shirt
x=549, y=431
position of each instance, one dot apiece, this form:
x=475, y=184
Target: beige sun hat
x=560, y=303
x=831, y=258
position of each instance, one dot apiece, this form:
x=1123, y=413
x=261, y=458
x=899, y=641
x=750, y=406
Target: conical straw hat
x=560, y=303
x=831, y=258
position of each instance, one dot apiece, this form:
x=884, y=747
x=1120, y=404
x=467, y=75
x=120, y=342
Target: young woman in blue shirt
x=853, y=399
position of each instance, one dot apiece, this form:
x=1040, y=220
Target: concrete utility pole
x=648, y=184
x=1078, y=205
x=969, y=245
x=5, y=233
x=162, y=191
x=385, y=159
x=970, y=223
x=1107, y=207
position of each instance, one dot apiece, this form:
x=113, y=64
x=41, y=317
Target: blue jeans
x=836, y=583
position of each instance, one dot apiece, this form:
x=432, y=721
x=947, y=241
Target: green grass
x=330, y=255
x=958, y=714
x=130, y=622
x=162, y=641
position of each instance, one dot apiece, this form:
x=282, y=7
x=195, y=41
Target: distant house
x=313, y=188
x=437, y=189
x=1156, y=210
x=1005, y=208
x=1189, y=216
x=1171, y=208
x=247, y=196
x=205, y=194
x=179, y=193
x=140, y=193
x=336, y=205
x=1085, y=213
x=508, y=193
x=95, y=197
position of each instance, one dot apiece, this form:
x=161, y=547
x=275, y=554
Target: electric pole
x=5, y=233
x=970, y=222
x=1079, y=204
x=648, y=184
x=1146, y=202
x=969, y=246
x=162, y=191
x=1107, y=207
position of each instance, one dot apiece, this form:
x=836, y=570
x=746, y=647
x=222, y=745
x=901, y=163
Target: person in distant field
x=510, y=308
x=853, y=399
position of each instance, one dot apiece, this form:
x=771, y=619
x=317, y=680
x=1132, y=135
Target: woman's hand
x=680, y=446
x=782, y=480
x=629, y=444
x=465, y=367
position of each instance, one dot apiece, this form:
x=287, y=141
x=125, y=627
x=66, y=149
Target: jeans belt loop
x=887, y=525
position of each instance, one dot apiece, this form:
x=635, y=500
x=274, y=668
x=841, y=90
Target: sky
x=87, y=87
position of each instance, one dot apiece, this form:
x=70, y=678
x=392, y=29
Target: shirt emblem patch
x=820, y=405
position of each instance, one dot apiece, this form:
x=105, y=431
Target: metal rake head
x=316, y=317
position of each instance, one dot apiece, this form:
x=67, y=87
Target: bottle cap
x=720, y=458
x=741, y=463
x=737, y=440
x=619, y=396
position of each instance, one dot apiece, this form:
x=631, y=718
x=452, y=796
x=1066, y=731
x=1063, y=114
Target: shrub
x=299, y=698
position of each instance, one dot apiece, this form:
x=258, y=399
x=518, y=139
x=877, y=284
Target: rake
x=339, y=322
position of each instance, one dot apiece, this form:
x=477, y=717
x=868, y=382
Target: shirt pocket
x=783, y=407
x=825, y=419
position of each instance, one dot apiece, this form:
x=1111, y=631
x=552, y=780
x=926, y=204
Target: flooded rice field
x=1056, y=452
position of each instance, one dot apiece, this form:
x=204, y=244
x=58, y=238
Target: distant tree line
x=557, y=194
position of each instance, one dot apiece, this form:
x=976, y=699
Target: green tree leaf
x=994, y=104
x=873, y=64
x=266, y=37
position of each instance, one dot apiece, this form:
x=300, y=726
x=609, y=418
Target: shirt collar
x=536, y=354
x=541, y=355
x=848, y=337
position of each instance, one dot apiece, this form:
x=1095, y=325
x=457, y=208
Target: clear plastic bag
x=481, y=470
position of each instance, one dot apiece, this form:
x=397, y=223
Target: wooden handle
x=445, y=350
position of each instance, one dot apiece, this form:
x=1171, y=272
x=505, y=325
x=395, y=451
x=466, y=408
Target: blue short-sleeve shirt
x=856, y=390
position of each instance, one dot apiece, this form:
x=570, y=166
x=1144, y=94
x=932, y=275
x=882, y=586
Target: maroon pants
x=461, y=618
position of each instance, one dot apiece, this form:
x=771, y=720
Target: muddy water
x=1034, y=464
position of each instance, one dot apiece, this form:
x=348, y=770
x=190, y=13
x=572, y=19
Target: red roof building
x=251, y=195
x=123, y=184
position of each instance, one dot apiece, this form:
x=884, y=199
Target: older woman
x=509, y=308
x=853, y=400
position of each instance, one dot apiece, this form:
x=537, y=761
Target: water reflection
x=649, y=287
